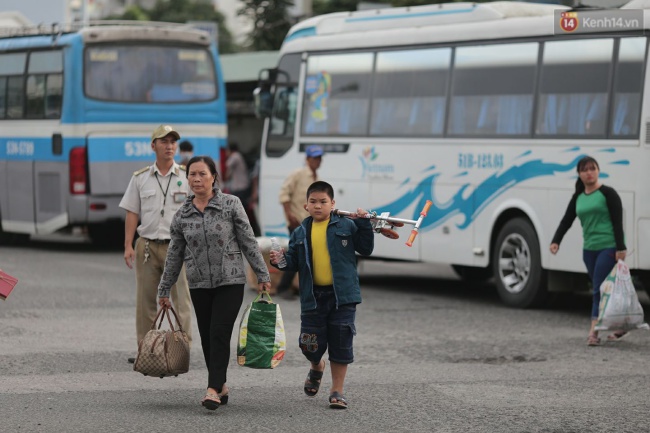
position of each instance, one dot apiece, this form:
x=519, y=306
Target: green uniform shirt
x=597, y=228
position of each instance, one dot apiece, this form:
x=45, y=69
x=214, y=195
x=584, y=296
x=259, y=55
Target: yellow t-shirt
x=322, y=264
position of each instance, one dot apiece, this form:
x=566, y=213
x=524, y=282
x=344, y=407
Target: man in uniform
x=293, y=197
x=153, y=196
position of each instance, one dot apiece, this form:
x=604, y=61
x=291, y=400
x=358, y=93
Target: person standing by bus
x=237, y=180
x=600, y=212
x=186, y=151
x=292, y=198
x=153, y=196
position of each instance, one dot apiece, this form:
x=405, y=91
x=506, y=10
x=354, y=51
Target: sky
x=37, y=11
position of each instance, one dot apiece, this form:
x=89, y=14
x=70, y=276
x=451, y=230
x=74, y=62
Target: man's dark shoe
x=131, y=360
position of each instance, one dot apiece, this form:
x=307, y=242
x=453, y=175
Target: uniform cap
x=164, y=131
x=314, y=151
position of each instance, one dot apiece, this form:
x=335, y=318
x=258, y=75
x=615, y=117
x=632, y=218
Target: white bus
x=483, y=108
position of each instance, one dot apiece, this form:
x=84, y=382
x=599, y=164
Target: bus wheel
x=517, y=265
x=107, y=235
x=12, y=238
x=641, y=281
x=472, y=273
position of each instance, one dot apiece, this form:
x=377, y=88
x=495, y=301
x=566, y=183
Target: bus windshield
x=179, y=74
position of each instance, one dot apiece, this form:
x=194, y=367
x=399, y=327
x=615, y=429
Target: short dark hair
x=233, y=146
x=208, y=161
x=186, y=146
x=320, y=186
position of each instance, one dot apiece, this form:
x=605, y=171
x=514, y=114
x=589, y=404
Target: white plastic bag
x=619, y=308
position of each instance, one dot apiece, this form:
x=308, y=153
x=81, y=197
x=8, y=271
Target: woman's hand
x=164, y=302
x=554, y=248
x=263, y=287
x=620, y=255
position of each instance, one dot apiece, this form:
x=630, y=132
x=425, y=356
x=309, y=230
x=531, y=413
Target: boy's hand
x=274, y=256
x=361, y=212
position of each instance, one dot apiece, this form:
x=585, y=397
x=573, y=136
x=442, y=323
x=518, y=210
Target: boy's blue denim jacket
x=344, y=237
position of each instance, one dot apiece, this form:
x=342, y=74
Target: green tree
x=134, y=13
x=271, y=23
x=182, y=11
x=321, y=7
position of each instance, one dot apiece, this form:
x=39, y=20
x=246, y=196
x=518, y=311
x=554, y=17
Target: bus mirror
x=281, y=105
x=263, y=102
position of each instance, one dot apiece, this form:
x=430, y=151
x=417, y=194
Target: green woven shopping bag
x=262, y=342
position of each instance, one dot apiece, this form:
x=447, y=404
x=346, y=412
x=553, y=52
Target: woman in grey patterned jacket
x=211, y=234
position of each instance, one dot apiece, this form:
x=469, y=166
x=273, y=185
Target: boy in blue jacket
x=322, y=250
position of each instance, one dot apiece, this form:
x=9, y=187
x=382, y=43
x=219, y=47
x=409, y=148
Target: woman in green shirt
x=600, y=212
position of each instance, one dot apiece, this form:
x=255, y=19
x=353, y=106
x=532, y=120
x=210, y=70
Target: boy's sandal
x=593, y=340
x=211, y=401
x=337, y=401
x=616, y=336
x=312, y=383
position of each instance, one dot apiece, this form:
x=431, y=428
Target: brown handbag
x=163, y=352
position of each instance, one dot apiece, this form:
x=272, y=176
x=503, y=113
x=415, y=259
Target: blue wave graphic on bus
x=476, y=201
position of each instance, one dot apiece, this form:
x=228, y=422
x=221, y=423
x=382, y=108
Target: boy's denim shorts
x=328, y=328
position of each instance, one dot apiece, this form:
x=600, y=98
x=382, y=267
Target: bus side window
x=15, y=97
x=628, y=87
x=35, y=97
x=337, y=94
x=44, y=85
x=409, y=92
x=3, y=97
x=12, y=68
x=574, y=88
x=54, y=96
x=492, y=91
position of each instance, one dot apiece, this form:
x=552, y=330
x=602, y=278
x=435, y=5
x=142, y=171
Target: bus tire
x=641, y=281
x=473, y=274
x=7, y=238
x=517, y=265
x=107, y=235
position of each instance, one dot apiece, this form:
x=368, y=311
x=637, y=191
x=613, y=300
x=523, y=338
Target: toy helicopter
x=383, y=223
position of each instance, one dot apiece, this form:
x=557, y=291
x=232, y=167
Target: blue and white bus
x=77, y=108
x=484, y=109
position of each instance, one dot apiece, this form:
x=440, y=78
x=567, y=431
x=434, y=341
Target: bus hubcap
x=514, y=263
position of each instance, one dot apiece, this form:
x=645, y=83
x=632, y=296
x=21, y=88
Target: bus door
x=50, y=184
x=17, y=206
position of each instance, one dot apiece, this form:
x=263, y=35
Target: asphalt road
x=432, y=355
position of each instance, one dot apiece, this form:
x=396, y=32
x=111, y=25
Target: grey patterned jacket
x=212, y=245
